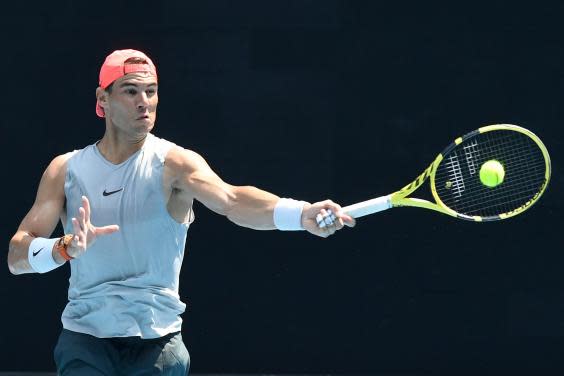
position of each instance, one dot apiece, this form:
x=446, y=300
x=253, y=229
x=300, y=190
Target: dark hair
x=131, y=60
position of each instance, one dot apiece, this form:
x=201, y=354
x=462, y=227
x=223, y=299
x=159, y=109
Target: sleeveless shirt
x=126, y=283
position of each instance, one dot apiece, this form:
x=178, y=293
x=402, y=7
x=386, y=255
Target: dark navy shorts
x=83, y=354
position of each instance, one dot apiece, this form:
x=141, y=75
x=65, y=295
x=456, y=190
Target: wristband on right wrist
x=288, y=214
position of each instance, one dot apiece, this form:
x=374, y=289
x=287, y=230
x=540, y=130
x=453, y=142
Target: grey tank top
x=126, y=284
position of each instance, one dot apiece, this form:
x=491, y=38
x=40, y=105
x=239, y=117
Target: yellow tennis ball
x=492, y=173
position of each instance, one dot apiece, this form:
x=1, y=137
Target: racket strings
x=497, y=201
x=457, y=179
x=474, y=202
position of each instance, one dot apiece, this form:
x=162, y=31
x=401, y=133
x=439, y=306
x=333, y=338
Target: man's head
x=120, y=63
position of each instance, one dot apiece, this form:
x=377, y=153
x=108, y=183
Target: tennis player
x=125, y=203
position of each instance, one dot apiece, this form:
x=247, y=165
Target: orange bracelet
x=62, y=246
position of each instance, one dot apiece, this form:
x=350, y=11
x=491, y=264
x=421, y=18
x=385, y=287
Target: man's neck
x=117, y=151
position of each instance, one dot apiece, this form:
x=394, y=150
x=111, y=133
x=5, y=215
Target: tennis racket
x=455, y=182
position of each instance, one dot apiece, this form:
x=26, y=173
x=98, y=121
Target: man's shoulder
x=58, y=166
x=68, y=156
x=182, y=159
x=62, y=159
x=177, y=151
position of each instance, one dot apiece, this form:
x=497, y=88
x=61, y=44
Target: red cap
x=114, y=67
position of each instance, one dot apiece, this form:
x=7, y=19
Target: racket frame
x=400, y=199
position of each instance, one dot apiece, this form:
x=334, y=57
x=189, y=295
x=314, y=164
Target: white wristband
x=40, y=255
x=288, y=214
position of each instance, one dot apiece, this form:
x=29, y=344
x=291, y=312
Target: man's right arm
x=42, y=218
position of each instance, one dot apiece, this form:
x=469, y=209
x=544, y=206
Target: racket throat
x=421, y=203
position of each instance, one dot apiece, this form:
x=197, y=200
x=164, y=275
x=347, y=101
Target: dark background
x=310, y=99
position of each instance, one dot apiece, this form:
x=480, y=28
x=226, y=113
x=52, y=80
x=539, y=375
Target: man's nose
x=143, y=100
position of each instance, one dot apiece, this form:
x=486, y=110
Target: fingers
x=330, y=222
x=327, y=223
x=75, y=226
x=83, y=215
x=325, y=218
x=82, y=218
x=348, y=220
x=80, y=238
x=105, y=230
x=336, y=209
x=80, y=227
x=86, y=206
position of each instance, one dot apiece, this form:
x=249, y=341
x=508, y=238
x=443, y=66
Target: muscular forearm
x=252, y=207
x=260, y=210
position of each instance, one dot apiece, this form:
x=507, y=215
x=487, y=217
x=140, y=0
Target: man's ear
x=102, y=97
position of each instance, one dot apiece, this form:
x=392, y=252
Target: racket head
x=455, y=178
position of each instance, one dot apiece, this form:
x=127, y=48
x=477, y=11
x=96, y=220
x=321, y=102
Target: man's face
x=132, y=104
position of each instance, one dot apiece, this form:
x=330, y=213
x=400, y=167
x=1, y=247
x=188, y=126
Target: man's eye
x=131, y=91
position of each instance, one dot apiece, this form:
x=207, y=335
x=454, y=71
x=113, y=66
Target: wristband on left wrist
x=40, y=255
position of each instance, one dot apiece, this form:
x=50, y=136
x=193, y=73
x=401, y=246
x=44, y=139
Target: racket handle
x=368, y=207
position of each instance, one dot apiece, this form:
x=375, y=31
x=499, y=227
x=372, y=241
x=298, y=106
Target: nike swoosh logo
x=112, y=192
x=36, y=253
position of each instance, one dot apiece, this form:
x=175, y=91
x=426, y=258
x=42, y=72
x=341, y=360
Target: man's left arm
x=246, y=205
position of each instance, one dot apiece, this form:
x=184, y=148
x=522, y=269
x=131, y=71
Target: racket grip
x=372, y=206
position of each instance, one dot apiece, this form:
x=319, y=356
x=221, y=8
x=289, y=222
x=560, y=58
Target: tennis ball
x=492, y=173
